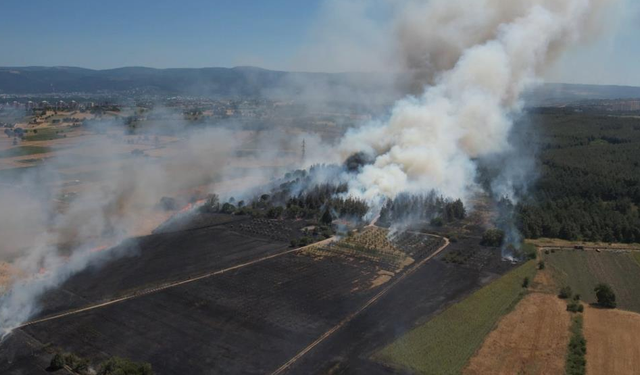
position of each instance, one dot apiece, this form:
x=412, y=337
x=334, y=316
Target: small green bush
x=565, y=292
x=575, y=306
x=57, y=362
x=122, y=366
x=525, y=282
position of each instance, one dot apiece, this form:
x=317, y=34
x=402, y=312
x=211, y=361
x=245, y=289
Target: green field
x=444, y=344
x=23, y=150
x=45, y=134
x=583, y=270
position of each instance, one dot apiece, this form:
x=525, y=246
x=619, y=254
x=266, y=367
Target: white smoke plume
x=480, y=56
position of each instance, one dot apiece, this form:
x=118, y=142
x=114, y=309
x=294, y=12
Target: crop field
x=583, y=270
x=444, y=344
x=532, y=340
x=613, y=342
x=24, y=150
x=46, y=134
x=390, y=253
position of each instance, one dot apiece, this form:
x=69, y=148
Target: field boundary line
x=169, y=285
x=370, y=302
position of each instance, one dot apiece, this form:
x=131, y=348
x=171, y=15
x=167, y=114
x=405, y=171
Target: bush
x=304, y=241
x=293, y=243
x=525, y=282
x=57, y=362
x=492, y=237
x=565, y=292
x=576, y=361
x=228, y=208
x=576, y=297
x=437, y=221
x=546, y=252
x=605, y=295
x=574, y=307
x=122, y=366
x=529, y=251
x=541, y=265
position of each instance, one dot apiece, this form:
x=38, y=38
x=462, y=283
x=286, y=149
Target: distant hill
x=249, y=82
x=216, y=82
x=562, y=93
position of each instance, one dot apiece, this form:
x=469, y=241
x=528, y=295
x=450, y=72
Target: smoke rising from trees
x=479, y=56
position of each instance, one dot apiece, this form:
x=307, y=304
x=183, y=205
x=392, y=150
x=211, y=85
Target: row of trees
x=422, y=207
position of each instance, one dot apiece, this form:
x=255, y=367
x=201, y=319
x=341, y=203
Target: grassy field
x=23, y=150
x=636, y=256
x=444, y=344
x=583, y=270
x=45, y=134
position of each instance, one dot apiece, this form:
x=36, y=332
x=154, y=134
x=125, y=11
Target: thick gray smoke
x=480, y=56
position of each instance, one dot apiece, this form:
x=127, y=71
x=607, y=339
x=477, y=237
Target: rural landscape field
x=322, y=187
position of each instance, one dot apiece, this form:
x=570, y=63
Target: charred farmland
x=231, y=290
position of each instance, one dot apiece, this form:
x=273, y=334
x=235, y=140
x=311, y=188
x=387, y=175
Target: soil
x=532, y=339
x=613, y=341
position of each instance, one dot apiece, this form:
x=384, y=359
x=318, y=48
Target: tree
x=57, y=362
x=605, y=295
x=565, y=292
x=326, y=218
x=492, y=237
x=437, y=221
x=228, y=208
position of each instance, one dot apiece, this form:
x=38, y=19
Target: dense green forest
x=588, y=187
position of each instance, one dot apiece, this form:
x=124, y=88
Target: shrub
x=546, y=252
x=293, y=243
x=492, y=237
x=576, y=297
x=605, y=295
x=304, y=241
x=228, y=208
x=122, y=366
x=437, y=221
x=57, y=362
x=576, y=361
x=565, y=292
x=525, y=282
x=541, y=265
x=575, y=306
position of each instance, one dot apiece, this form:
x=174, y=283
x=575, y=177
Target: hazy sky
x=199, y=33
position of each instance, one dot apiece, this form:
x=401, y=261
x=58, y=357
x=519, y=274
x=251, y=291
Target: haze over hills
x=246, y=82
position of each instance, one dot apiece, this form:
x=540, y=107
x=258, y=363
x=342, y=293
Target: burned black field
x=222, y=294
